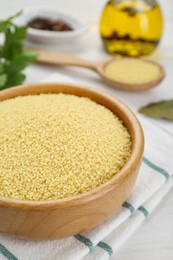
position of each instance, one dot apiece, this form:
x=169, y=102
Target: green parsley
x=13, y=57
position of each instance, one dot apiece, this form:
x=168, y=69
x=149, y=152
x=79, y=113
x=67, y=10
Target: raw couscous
x=57, y=145
x=132, y=71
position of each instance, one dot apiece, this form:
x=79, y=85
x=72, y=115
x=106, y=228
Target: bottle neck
x=149, y=3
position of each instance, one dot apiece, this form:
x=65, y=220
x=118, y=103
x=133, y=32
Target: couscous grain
x=56, y=145
x=132, y=71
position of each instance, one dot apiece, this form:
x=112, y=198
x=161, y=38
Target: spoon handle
x=59, y=58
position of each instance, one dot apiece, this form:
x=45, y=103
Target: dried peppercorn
x=48, y=24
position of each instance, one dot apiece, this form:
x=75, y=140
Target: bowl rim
x=132, y=164
x=82, y=26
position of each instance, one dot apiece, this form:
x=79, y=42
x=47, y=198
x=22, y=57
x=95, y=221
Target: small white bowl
x=79, y=27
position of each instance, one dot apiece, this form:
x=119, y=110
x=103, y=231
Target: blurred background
x=90, y=12
x=89, y=9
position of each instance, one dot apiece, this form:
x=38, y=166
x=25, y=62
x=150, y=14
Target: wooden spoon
x=58, y=58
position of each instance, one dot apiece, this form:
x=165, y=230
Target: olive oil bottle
x=131, y=27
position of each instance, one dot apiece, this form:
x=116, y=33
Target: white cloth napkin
x=154, y=182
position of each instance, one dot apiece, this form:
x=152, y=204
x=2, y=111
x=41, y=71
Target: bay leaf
x=162, y=109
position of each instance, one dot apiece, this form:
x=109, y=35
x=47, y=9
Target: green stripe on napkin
x=106, y=247
x=86, y=241
x=5, y=252
x=156, y=168
x=144, y=211
x=129, y=206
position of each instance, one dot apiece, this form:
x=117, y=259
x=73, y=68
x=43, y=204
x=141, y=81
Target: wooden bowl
x=69, y=216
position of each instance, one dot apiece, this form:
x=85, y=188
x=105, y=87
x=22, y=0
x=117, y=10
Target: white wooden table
x=154, y=239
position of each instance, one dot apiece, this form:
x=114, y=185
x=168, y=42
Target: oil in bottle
x=131, y=27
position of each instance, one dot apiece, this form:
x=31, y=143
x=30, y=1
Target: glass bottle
x=131, y=27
